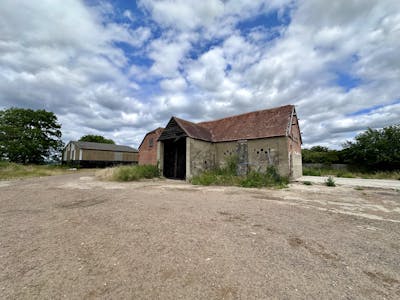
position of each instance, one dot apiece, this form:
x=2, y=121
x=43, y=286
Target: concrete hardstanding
x=75, y=237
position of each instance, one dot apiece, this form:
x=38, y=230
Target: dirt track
x=75, y=237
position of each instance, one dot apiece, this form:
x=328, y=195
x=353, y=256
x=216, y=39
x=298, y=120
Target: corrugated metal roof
x=254, y=125
x=103, y=147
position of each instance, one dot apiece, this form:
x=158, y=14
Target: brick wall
x=148, y=148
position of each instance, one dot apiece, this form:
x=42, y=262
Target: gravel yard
x=75, y=237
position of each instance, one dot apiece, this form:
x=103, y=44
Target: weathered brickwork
x=148, y=148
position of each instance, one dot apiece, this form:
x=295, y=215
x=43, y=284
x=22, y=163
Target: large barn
x=260, y=139
x=88, y=154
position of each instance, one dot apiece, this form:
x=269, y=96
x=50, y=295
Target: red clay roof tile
x=258, y=124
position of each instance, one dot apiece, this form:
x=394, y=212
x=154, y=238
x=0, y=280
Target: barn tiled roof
x=104, y=147
x=259, y=124
x=194, y=130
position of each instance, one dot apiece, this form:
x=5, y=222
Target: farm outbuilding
x=259, y=139
x=89, y=154
x=148, y=147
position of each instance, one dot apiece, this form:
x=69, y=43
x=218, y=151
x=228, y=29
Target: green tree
x=29, y=136
x=320, y=154
x=96, y=139
x=319, y=149
x=377, y=149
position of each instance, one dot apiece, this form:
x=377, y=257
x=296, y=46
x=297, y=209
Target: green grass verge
x=134, y=173
x=13, y=171
x=351, y=174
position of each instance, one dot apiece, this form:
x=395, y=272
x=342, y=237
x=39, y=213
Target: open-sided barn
x=148, y=147
x=260, y=139
x=89, y=154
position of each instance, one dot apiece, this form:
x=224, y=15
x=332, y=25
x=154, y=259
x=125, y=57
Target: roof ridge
x=243, y=114
x=180, y=119
x=100, y=143
x=193, y=123
x=95, y=144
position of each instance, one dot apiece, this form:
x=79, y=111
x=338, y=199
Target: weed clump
x=134, y=173
x=330, y=181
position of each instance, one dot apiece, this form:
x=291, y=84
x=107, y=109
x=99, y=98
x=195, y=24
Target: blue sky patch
x=269, y=20
x=203, y=46
x=370, y=109
x=347, y=81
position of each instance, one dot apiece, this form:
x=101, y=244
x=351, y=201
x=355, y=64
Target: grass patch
x=129, y=173
x=351, y=174
x=227, y=177
x=10, y=170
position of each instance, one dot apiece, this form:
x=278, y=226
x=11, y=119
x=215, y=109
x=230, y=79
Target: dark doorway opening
x=175, y=158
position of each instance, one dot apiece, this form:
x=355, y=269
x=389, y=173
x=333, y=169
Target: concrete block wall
x=269, y=152
x=297, y=166
x=200, y=156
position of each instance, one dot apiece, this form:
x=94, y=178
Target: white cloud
x=168, y=55
x=184, y=15
x=192, y=59
x=175, y=84
x=58, y=56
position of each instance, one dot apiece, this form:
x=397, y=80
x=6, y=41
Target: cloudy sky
x=122, y=68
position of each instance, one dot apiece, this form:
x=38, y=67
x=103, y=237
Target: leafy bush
x=376, y=149
x=330, y=181
x=206, y=178
x=134, y=173
x=227, y=176
x=259, y=179
x=323, y=155
x=96, y=139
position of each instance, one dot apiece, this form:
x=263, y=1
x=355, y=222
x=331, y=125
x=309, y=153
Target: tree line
x=373, y=149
